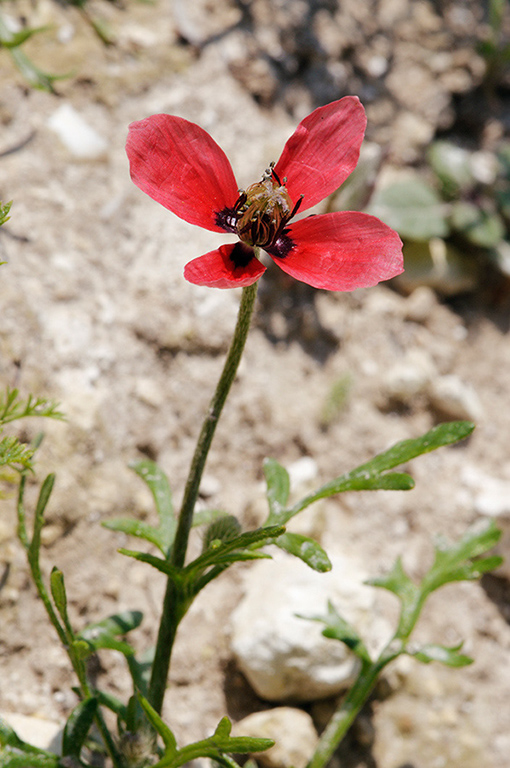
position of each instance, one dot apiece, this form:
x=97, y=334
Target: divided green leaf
x=15, y=454
x=13, y=39
x=217, y=747
x=4, y=212
x=450, y=657
x=13, y=407
x=104, y=634
x=278, y=488
x=460, y=561
x=308, y=550
x=338, y=628
x=162, y=536
x=374, y=474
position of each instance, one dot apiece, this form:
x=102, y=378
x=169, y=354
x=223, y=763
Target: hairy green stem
x=350, y=707
x=175, y=603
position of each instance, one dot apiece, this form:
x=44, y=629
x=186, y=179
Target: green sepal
x=58, y=592
x=449, y=656
x=308, y=550
x=163, y=535
x=224, y=528
x=82, y=649
x=78, y=726
x=226, y=552
x=338, y=628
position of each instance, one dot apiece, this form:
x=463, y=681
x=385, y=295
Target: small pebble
x=302, y=471
x=455, y=399
x=420, y=304
x=51, y=533
x=209, y=486
x=292, y=730
x=410, y=376
x=79, y=138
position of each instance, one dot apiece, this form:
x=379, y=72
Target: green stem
x=64, y=632
x=175, y=603
x=349, y=708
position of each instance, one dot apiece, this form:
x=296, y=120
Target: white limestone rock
x=37, y=731
x=286, y=658
x=79, y=138
x=291, y=729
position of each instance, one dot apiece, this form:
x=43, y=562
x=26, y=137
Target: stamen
x=296, y=208
x=240, y=200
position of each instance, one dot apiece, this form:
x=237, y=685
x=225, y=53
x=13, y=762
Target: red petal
x=342, y=251
x=217, y=269
x=180, y=166
x=323, y=151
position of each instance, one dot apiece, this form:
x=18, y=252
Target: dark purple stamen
x=227, y=219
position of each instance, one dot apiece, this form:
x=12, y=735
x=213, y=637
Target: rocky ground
x=95, y=313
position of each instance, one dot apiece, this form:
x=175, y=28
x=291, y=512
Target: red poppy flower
x=180, y=166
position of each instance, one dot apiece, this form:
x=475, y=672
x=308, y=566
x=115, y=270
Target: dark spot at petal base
x=242, y=254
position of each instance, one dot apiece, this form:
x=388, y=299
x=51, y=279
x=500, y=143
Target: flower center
x=263, y=210
x=260, y=215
